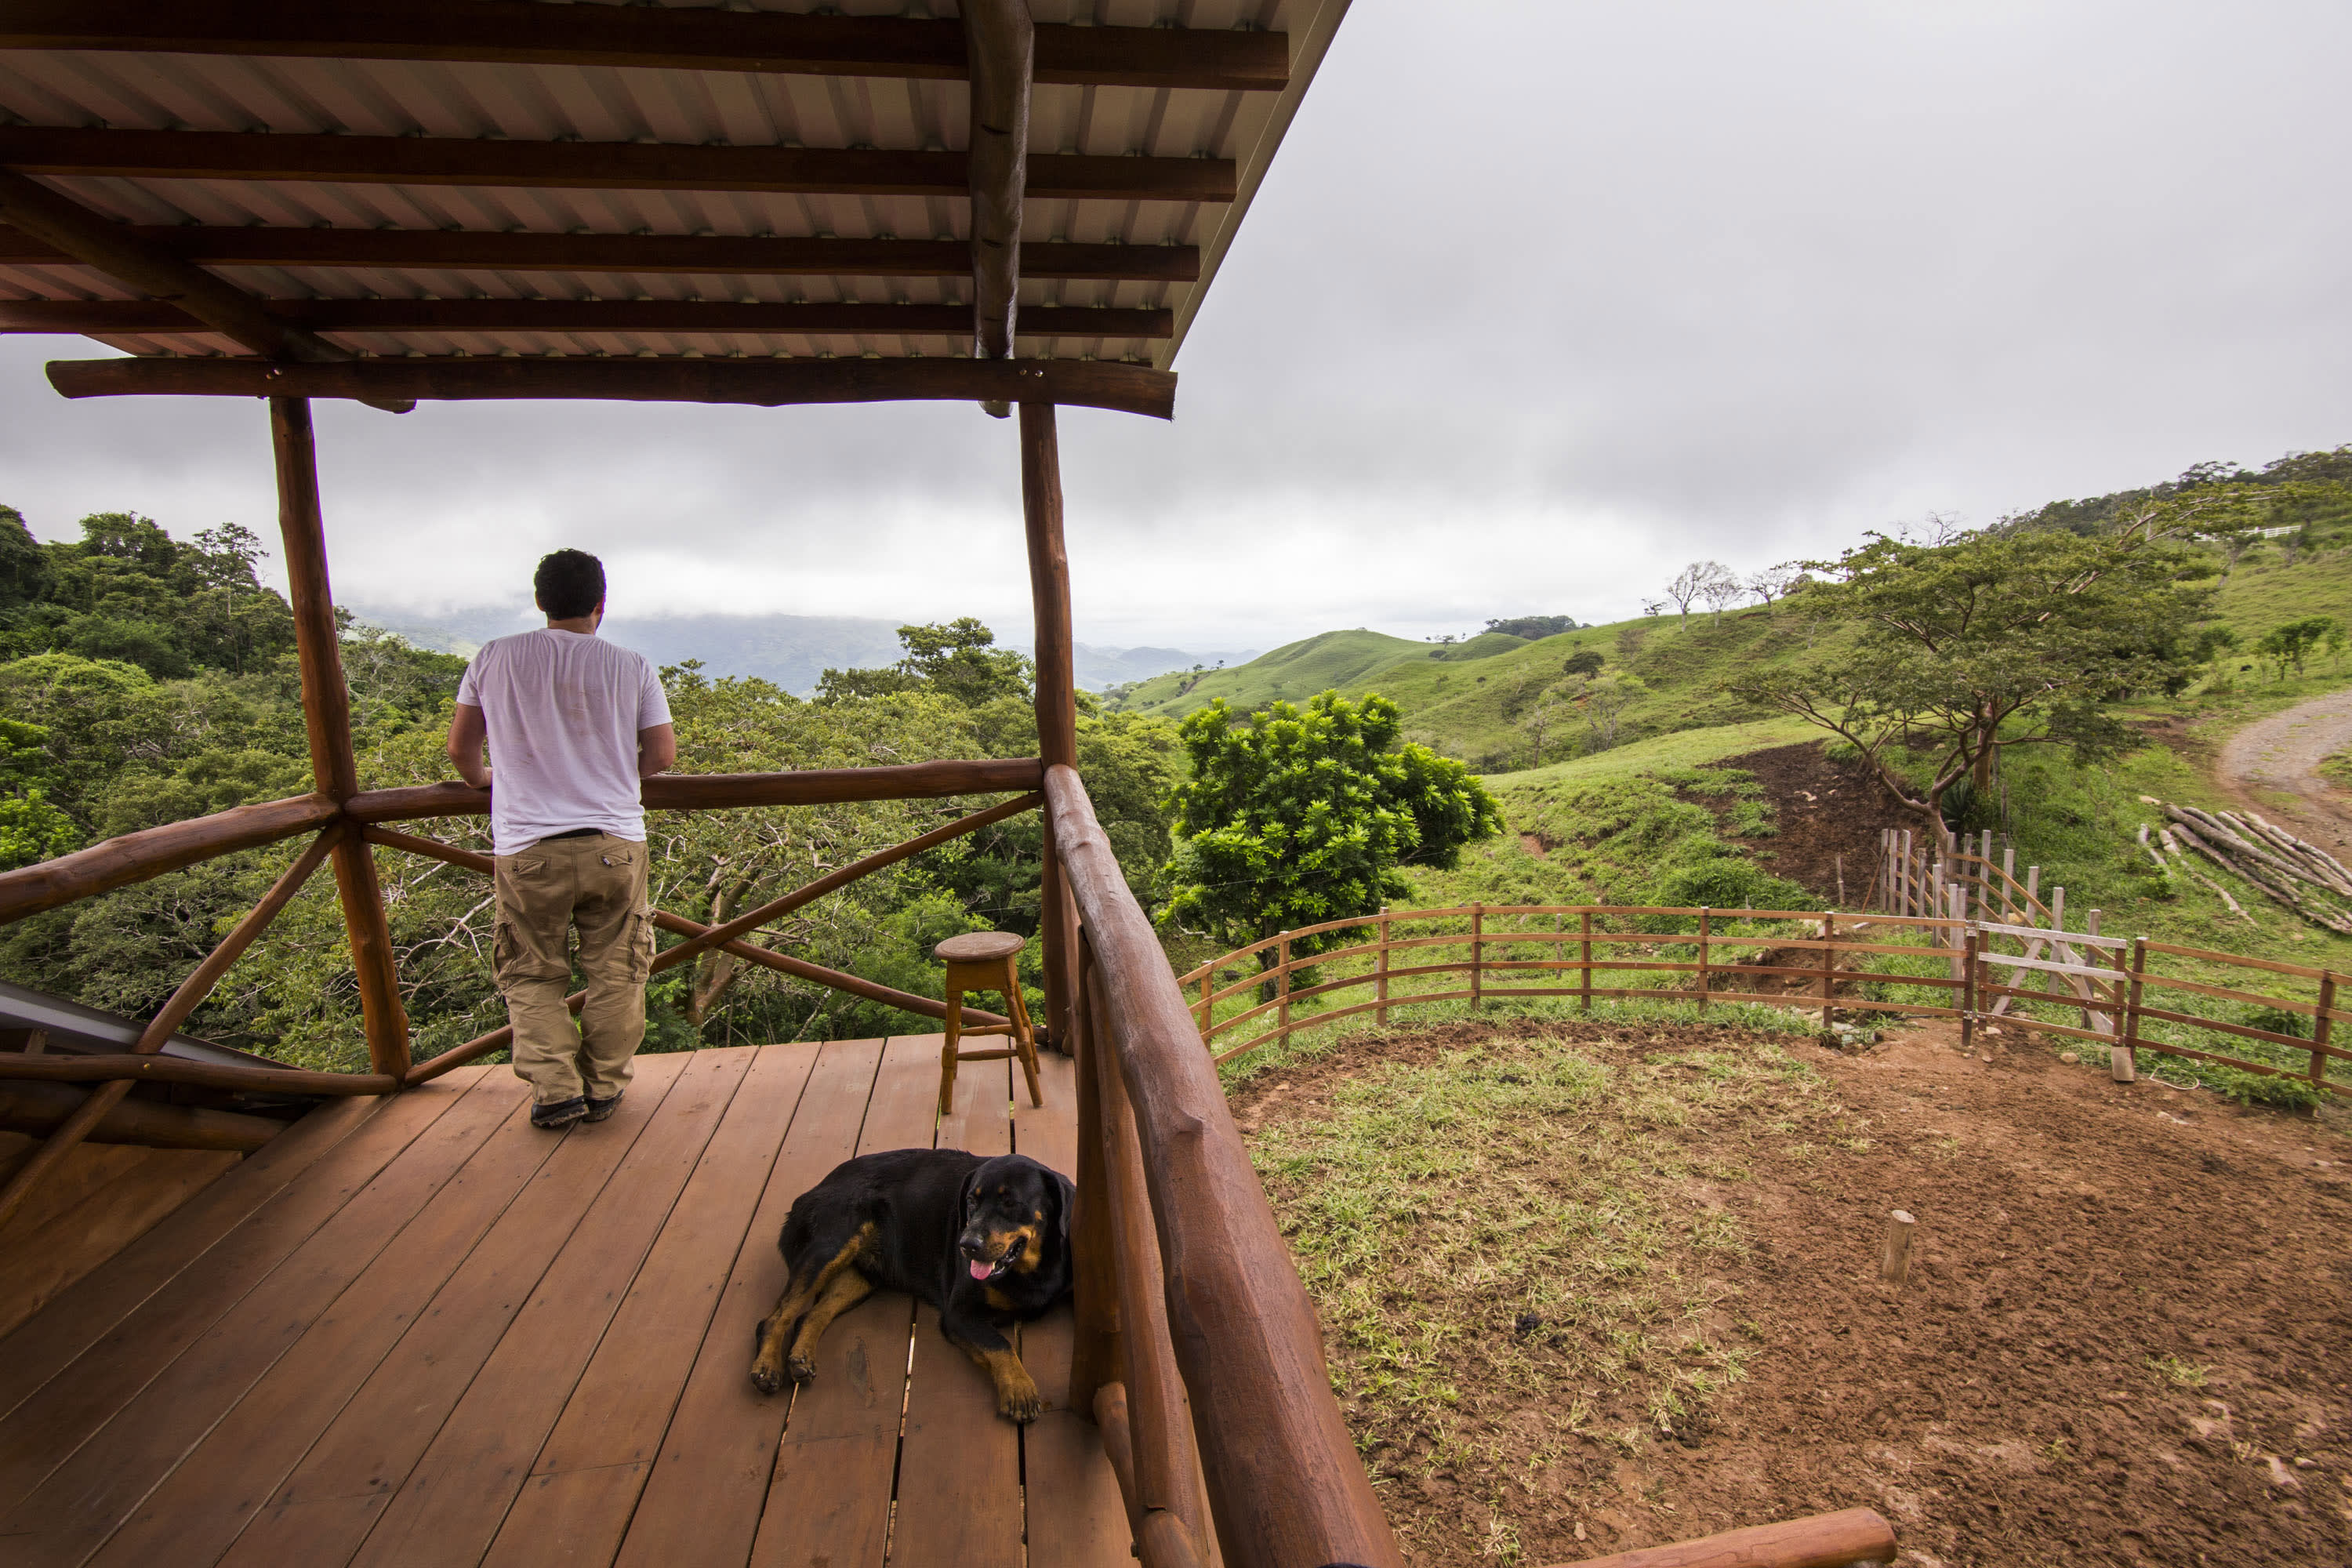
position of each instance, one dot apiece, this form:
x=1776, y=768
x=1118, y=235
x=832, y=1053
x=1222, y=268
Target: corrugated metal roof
x=589, y=104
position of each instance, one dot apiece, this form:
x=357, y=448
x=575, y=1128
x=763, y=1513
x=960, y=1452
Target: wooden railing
x=135, y=857
x=1718, y=959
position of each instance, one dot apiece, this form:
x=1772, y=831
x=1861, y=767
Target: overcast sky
x=1542, y=300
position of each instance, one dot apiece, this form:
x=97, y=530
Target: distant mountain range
x=791, y=650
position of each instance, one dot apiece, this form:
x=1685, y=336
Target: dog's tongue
x=981, y=1270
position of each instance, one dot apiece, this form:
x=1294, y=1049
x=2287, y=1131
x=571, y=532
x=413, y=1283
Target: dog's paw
x=1020, y=1405
x=766, y=1378
x=800, y=1369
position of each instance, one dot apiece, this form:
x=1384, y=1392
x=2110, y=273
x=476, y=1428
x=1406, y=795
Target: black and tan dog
x=985, y=1241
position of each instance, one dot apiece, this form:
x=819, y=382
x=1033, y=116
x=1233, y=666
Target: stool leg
x=1024, y=1035
x=948, y=1052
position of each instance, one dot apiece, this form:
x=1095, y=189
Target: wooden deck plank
x=701, y=1503
x=99, y=1481
x=610, y=1433
x=828, y=1500
x=195, y=1512
x=960, y=1463
x=39, y=1263
x=454, y=1501
x=95, y=1304
x=1077, y=1518
x=321, y=1511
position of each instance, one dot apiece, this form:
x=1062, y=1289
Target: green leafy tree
x=2001, y=638
x=2291, y=645
x=957, y=659
x=1292, y=817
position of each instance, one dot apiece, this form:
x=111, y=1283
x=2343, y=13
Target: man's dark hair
x=569, y=584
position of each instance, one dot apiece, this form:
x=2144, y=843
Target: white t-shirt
x=563, y=710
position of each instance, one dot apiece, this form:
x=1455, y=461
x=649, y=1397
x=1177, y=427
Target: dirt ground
x=1829, y=815
x=2279, y=757
x=2123, y=1340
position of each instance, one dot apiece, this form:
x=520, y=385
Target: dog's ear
x=963, y=1197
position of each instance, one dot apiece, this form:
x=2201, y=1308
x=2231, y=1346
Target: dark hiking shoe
x=598, y=1110
x=557, y=1115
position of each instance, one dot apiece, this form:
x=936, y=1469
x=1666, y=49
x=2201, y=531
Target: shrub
x=2280, y=1090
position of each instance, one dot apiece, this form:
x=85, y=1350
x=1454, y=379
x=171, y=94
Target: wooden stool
x=982, y=961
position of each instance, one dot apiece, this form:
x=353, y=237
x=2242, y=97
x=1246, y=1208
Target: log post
x=1056, y=700
x=1895, y=1250
x=1703, y=914
x=2319, y=1028
x=1828, y=964
x=1477, y=956
x=1093, y=1307
x=1282, y=992
x=1971, y=964
x=327, y=717
x=1584, y=983
x=1000, y=44
x=1381, y=974
x=2123, y=1061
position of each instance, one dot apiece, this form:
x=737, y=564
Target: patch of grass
x=2169, y=1368
x=1511, y=1245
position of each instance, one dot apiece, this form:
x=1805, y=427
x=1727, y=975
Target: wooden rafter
x=765, y=383
x=34, y=208
x=713, y=255
x=116, y=318
x=688, y=38
x=1001, y=42
x=588, y=165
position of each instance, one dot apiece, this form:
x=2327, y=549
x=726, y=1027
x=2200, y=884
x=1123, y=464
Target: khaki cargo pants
x=597, y=884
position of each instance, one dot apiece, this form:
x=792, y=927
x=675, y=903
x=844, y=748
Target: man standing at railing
x=573, y=722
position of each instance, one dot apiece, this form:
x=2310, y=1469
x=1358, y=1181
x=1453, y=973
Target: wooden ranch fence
x=1920, y=965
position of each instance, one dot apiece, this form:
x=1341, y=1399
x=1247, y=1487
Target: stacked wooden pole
x=2300, y=875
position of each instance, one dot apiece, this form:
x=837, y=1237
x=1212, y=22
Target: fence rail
x=1904, y=965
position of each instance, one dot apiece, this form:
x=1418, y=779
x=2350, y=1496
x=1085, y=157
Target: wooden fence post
x=1955, y=908
x=2100, y=1022
x=1477, y=956
x=1584, y=987
x=2007, y=882
x=1208, y=1008
x=1903, y=873
x=1282, y=1017
x=1829, y=963
x=2123, y=1061
x=1380, y=973
x=1703, y=914
x=1969, y=988
x=2319, y=1030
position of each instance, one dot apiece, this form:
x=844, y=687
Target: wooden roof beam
x=665, y=253
x=686, y=38
x=1001, y=42
x=587, y=165
x=142, y=318
x=33, y=207
x=765, y=383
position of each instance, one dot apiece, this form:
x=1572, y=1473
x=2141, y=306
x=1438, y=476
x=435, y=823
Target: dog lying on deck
x=985, y=1241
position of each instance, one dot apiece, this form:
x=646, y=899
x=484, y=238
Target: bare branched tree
x=1774, y=580
x=1722, y=593
x=1691, y=584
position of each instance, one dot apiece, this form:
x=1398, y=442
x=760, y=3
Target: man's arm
x=468, y=735
x=657, y=750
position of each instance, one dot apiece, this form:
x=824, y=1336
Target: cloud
x=1539, y=302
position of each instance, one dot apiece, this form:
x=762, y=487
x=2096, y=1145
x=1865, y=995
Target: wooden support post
x=1895, y=1250
x=1829, y=967
x=1902, y=871
x=2093, y=1018
x=1477, y=956
x=1381, y=974
x=2123, y=1061
x=1584, y=983
x=1208, y=1007
x=1056, y=702
x=2007, y=882
x=1955, y=908
x=1095, y=1339
x=2320, y=1031
x=327, y=716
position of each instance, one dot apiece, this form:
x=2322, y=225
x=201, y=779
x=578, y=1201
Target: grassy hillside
x=1293, y=672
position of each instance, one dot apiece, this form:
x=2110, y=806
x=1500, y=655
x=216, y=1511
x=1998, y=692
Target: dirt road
x=2280, y=755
